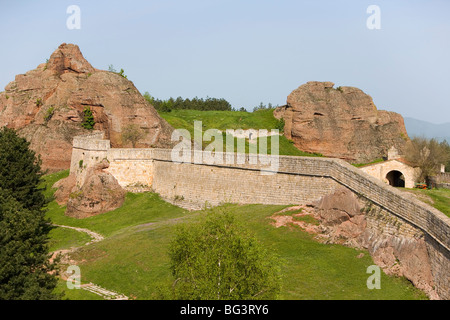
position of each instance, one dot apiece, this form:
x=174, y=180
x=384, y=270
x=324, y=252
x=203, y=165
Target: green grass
x=64, y=238
x=135, y=262
x=437, y=198
x=222, y=120
x=74, y=294
x=441, y=199
x=307, y=218
x=139, y=208
x=133, y=259
x=365, y=164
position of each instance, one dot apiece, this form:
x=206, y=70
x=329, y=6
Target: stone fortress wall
x=298, y=180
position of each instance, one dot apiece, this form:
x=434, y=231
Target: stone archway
x=396, y=178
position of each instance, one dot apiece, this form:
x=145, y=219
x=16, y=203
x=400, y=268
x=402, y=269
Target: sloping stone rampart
x=296, y=180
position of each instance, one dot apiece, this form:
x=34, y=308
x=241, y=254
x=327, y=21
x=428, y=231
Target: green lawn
x=133, y=257
x=64, y=238
x=222, y=120
x=438, y=198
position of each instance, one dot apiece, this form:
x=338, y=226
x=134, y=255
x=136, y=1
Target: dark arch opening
x=396, y=178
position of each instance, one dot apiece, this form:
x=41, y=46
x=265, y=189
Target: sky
x=247, y=51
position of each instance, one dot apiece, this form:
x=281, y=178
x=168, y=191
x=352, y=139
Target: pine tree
x=20, y=170
x=24, y=257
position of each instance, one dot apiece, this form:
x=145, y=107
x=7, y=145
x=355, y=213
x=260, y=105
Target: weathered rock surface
x=100, y=193
x=46, y=106
x=342, y=123
x=397, y=247
x=64, y=188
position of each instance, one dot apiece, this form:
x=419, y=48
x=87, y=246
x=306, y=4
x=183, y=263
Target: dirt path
x=91, y=287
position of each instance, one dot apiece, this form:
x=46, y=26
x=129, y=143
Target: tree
x=20, y=170
x=196, y=103
x=132, y=133
x=219, y=259
x=428, y=155
x=149, y=98
x=446, y=147
x=88, y=119
x=24, y=260
x=25, y=270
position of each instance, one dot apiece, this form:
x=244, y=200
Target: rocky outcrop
x=99, y=193
x=396, y=246
x=340, y=122
x=64, y=187
x=46, y=106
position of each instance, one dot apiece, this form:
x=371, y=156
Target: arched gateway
x=396, y=178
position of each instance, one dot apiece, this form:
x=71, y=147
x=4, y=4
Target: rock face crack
x=68, y=83
x=340, y=123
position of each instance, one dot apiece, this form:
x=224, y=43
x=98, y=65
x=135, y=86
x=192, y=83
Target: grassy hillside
x=222, y=120
x=438, y=198
x=133, y=260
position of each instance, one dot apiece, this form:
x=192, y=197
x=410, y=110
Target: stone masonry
x=298, y=180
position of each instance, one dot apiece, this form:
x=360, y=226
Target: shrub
x=219, y=259
x=49, y=114
x=280, y=125
x=88, y=119
x=132, y=133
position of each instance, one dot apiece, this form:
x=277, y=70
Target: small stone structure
x=298, y=180
x=443, y=180
x=251, y=134
x=396, y=171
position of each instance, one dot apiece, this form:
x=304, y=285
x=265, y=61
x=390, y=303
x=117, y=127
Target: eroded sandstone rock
x=64, y=188
x=46, y=106
x=396, y=246
x=340, y=122
x=100, y=193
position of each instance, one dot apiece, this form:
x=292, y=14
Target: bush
x=88, y=119
x=428, y=155
x=220, y=260
x=280, y=125
x=132, y=133
x=49, y=114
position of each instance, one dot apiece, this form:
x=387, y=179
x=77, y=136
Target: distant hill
x=426, y=129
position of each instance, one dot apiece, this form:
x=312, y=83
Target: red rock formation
x=46, y=106
x=342, y=123
x=354, y=222
x=100, y=193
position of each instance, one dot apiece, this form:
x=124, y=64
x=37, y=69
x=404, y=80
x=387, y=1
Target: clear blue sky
x=248, y=51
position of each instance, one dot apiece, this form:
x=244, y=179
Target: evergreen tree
x=24, y=259
x=20, y=170
x=88, y=119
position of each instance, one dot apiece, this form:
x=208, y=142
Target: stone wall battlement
x=244, y=179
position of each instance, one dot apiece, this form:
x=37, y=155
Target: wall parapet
x=401, y=204
x=240, y=178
